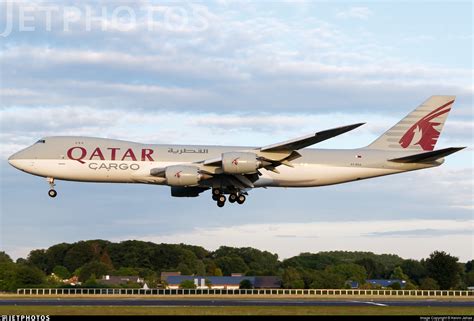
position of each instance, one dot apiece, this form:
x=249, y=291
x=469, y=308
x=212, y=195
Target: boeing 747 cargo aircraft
x=233, y=171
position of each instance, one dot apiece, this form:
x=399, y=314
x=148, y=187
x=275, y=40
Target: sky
x=237, y=73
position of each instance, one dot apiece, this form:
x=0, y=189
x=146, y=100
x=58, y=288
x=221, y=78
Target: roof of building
x=215, y=280
x=267, y=282
x=117, y=279
x=165, y=275
x=353, y=284
x=385, y=282
x=382, y=282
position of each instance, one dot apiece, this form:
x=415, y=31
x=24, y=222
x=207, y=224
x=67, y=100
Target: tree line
x=90, y=260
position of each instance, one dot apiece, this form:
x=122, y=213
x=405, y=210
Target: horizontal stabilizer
x=305, y=141
x=427, y=157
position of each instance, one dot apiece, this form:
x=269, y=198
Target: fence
x=256, y=292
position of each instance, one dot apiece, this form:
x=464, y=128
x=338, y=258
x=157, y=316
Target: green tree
x=245, y=284
x=126, y=271
x=55, y=255
x=147, y=273
x=38, y=258
x=92, y=282
x=410, y=286
x=27, y=276
x=328, y=280
x=7, y=273
x=62, y=272
x=469, y=266
x=415, y=270
x=217, y=272
x=398, y=274
x=469, y=278
x=187, y=284
x=374, y=269
x=78, y=255
x=231, y=264
x=429, y=284
x=444, y=269
x=255, y=260
x=321, y=260
x=349, y=271
x=98, y=269
x=210, y=266
x=5, y=258
x=311, y=261
x=199, y=268
x=395, y=286
x=184, y=269
x=291, y=279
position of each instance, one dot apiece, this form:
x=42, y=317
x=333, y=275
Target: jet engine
x=182, y=175
x=241, y=163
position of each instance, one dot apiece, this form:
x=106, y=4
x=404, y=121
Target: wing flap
x=213, y=162
x=427, y=157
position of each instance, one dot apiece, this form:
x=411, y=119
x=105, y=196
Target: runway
x=231, y=302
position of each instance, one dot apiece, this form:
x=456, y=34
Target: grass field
x=248, y=310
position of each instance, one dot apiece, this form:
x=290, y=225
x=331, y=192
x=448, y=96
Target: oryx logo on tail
x=424, y=132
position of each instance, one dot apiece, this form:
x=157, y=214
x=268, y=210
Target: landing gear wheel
x=232, y=198
x=220, y=204
x=221, y=199
x=216, y=192
x=241, y=199
x=52, y=192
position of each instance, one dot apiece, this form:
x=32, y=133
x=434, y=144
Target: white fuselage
x=114, y=161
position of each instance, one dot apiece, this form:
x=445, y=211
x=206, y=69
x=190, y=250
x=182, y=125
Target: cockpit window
x=41, y=141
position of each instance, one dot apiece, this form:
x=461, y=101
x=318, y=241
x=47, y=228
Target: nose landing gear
x=52, y=192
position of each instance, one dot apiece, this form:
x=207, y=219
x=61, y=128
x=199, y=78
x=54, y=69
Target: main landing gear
x=52, y=192
x=233, y=197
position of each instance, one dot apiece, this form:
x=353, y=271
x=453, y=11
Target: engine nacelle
x=240, y=163
x=182, y=175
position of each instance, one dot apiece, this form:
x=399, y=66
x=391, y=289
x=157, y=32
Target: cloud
x=422, y=233
x=22, y=125
x=355, y=12
x=250, y=62
x=289, y=239
x=244, y=74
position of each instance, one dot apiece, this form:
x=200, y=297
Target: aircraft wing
x=281, y=153
x=305, y=141
x=267, y=157
x=284, y=152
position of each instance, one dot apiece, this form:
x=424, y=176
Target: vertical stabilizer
x=420, y=129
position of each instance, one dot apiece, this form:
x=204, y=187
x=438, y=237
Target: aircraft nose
x=14, y=160
x=11, y=159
